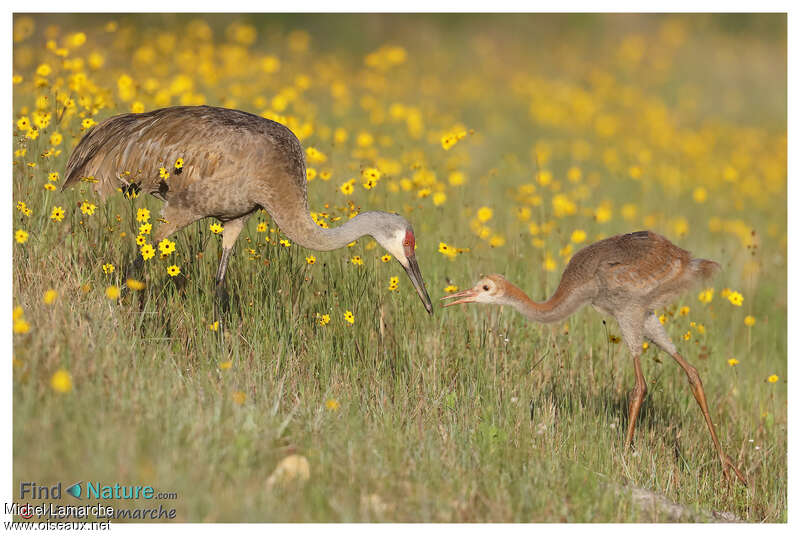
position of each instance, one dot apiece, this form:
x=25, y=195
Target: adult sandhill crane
x=233, y=163
x=628, y=277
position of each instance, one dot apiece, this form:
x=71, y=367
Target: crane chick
x=628, y=277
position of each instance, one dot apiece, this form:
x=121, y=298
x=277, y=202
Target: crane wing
x=212, y=142
x=643, y=264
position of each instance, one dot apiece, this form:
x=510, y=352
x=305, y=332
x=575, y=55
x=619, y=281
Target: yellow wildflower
x=112, y=292
x=485, y=214
x=448, y=140
x=166, y=247
x=578, y=236
x=497, y=241
x=61, y=381
x=456, y=178
x=21, y=326
x=135, y=284
x=447, y=251
x=49, y=296
x=706, y=295
x=88, y=208
x=57, y=214
x=148, y=252
x=735, y=298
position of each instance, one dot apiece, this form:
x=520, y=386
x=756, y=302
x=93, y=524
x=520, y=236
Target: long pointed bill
x=467, y=296
x=416, y=278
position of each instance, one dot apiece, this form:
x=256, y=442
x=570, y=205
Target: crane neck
x=310, y=235
x=560, y=305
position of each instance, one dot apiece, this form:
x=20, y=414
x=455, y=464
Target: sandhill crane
x=233, y=163
x=628, y=277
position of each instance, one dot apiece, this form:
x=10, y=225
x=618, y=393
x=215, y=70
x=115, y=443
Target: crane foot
x=728, y=463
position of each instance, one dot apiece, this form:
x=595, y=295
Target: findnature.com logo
x=93, y=490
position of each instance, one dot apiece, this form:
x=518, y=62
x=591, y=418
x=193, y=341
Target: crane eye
x=485, y=287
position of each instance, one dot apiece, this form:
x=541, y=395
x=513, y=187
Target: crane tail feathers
x=83, y=160
x=705, y=269
x=81, y=155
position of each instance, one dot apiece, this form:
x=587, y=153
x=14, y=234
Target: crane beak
x=416, y=278
x=467, y=296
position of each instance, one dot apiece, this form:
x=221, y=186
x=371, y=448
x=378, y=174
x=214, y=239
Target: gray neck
x=310, y=235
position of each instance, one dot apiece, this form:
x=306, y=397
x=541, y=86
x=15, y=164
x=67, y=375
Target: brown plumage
x=628, y=277
x=234, y=163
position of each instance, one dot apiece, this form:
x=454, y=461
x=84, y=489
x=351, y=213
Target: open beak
x=467, y=296
x=416, y=278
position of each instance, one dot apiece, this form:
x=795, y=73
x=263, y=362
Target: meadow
x=509, y=142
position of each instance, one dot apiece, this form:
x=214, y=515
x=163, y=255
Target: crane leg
x=631, y=324
x=229, y=236
x=134, y=269
x=656, y=333
x=700, y=395
x=219, y=280
x=636, y=398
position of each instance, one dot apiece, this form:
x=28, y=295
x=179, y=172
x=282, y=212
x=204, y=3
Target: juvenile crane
x=628, y=277
x=233, y=163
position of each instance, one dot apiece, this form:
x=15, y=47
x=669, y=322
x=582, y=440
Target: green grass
x=471, y=414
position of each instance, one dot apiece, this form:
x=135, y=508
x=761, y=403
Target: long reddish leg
x=656, y=333
x=697, y=389
x=636, y=398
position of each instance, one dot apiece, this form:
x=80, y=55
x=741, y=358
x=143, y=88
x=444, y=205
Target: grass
x=471, y=414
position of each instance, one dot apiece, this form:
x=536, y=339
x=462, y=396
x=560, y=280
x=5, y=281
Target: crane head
x=397, y=237
x=490, y=289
